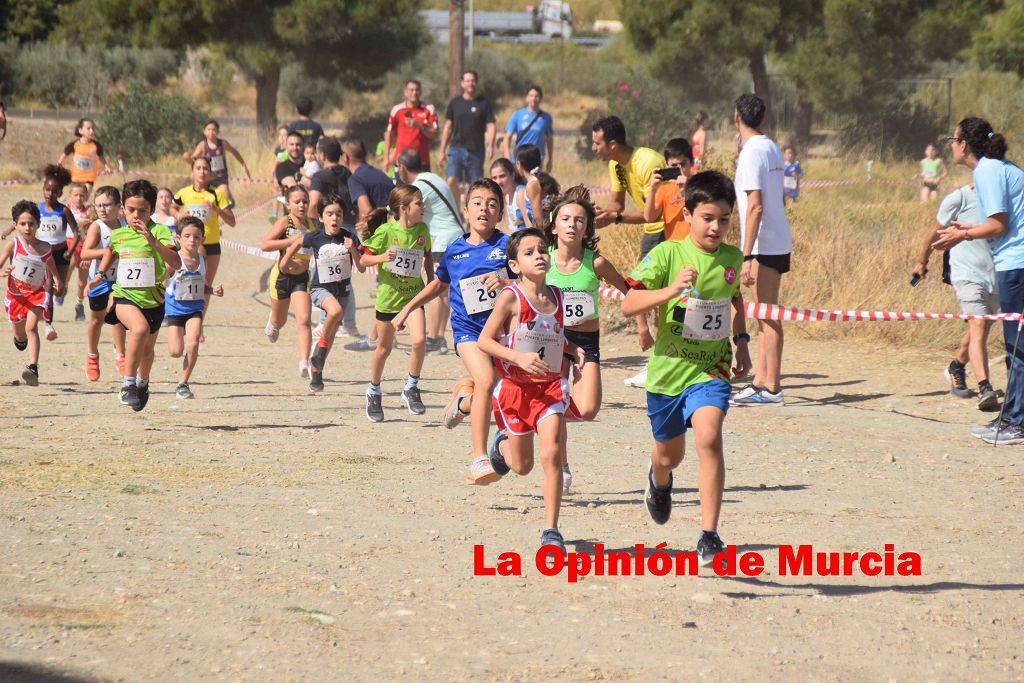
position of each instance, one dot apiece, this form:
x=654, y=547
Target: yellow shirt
x=635, y=178
x=194, y=203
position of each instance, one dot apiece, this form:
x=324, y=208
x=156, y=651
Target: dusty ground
x=261, y=533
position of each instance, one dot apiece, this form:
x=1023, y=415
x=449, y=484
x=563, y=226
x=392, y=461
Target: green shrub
x=145, y=124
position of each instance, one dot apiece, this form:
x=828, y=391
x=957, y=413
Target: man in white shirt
x=765, y=240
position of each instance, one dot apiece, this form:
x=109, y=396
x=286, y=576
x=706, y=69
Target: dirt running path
x=261, y=533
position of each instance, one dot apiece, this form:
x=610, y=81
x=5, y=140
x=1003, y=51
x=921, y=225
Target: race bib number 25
x=707, y=320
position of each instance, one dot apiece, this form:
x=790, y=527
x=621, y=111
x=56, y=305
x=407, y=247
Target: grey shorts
x=975, y=299
x=318, y=295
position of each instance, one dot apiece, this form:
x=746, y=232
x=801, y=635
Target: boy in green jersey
x=694, y=285
x=144, y=251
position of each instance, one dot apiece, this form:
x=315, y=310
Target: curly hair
x=580, y=196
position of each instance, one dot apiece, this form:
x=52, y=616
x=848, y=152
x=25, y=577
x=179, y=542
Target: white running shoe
x=566, y=480
x=304, y=368
x=481, y=472
x=51, y=333
x=364, y=343
x=639, y=380
x=271, y=331
x=758, y=396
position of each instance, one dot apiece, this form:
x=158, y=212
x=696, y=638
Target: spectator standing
x=468, y=136
x=442, y=217
x=412, y=124
x=531, y=126
x=310, y=130
x=289, y=171
x=368, y=186
x=765, y=240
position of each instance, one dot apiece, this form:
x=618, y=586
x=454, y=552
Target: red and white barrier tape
x=233, y=179
x=16, y=182
x=772, y=312
x=246, y=249
x=253, y=209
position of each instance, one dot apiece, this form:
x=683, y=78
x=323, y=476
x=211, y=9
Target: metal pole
x=472, y=25
x=949, y=103
x=456, y=36
x=1013, y=359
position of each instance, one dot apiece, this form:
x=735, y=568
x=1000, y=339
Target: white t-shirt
x=760, y=167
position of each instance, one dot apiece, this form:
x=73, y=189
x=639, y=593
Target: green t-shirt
x=128, y=244
x=677, y=362
x=395, y=290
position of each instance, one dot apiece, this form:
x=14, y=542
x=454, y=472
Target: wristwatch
x=741, y=336
x=618, y=217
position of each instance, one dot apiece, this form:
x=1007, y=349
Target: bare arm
x=273, y=240
x=390, y=135
x=489, y=136
x=228, y=147
x=995, y=226
x=549, y=157
x=446, y=136
x=606, y=215
x=293, y=248
x=365, y=207
x=508, y=143
x=607, y=272
x=92, y=238
x=639, y=301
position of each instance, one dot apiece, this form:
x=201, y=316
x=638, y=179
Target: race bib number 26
x=475, y=296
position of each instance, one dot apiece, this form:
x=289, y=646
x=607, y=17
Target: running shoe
x=119, y=362
x=364, y=343
x=316, y=381
x=318, y=330
x=744, y=392
x=129, y=396
x=566, y=480
x=1009, y=435
x=318, y=358
x=143, y=394
x=498, y=463
x=989, y=430
x=20, y=345
x=374, y=410
x=303, y=368
x=31, y=375
x=956, y=375
x=183, y=391
x=79, y=312
x=92, y=367
x=659, y=501
x=59, y=300
x=51, y=334
x=481, y=473
x=639, y=380
x=758, y=397
x=552, y=537
x=271, y=331
x=988, y=399
x=451, y=415
x=412, y=401
x=708, y=545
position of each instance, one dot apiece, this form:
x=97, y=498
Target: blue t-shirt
x=789, y=175
x=464, y=260
x=1000, y=189
x=368, y=181
x=538, y=133
x=196, y=279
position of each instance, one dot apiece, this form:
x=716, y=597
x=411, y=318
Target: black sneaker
x=374, y=409
x=20, y=345
x=31, y=375
x=412, y=401
x=956, y=374
x=129, y=396
x=497, y=459
x=659, y=501
x=143, y=394
x=708, y=545
x=988, y=399
x=79, y=313
x=317, y=359
x=316, y=379
x=552, y=537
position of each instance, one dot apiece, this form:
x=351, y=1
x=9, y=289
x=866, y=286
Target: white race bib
x=335, y=267
x=707, y=320
x=217, y=163
x=133, y=273
x=789, y=182
x=579, y=307
x=28, y=270
x=189, y=287
x=407, y=263
x=548, y=344
x=51, y=229
x=200, y=211
x=83, y=163
x=475, y=296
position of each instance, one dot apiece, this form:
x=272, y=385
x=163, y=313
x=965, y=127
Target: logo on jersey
x=730, y=275
x=497, y=254
x=419, y=240
x=462, y=255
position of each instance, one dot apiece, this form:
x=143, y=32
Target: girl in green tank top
x=931, y=174
x=577, y=269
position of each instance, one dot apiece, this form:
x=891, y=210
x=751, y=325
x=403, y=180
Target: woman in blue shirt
x=999, y=185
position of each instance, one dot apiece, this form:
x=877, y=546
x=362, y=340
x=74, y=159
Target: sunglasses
x=950, y=139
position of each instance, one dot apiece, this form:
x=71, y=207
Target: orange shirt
x=669, y=197
x=85, y=165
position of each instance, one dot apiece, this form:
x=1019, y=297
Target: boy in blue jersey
x=474, y=268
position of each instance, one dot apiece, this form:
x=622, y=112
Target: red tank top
x=28, y=270
x=535, y=332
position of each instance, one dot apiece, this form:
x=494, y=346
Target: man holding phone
x=665, y=196
x=411, y=125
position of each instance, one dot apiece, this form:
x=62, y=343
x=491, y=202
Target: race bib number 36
x=27, y=270
x=707, y=320
x=407, y=263
x=475, y=296
x=579, y=307
x=136, y=272
x=334, y=268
